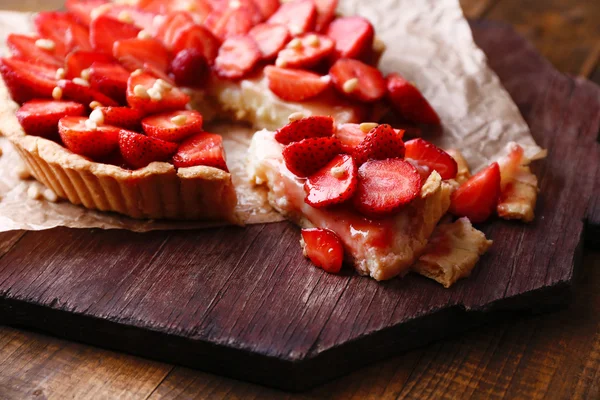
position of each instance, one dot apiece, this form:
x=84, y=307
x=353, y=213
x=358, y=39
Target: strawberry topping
x=190, y=68
x=305, y=51
x=173, y=25
x=478, y=197
x=93, y=142
x=82, y=9
x=123, y=117
x=324, y=249
x=173, y=126
x=40, y=117
x=201, y=149
x=270, y=39
x=27, y=81
x=62, y=28
x=140, y=150
x=109, y=79
x=233, y=21
x=353, y=37
x=25, y=48
x=237, y=56
x=431, y=156
x=350, y=136
x=357, y=80
x=409, y=101
x=150, y=95
x=134, y=53
x=384, y=186
x=307, y=156
x=335, y=183
x=83, y=94
x=305, y=128
x=299, y=16
x=295, y=84
x=199, y=38
x=266, y=7
x=79, y=60
x=380, y=143
x=105, y=31
x=325, y=13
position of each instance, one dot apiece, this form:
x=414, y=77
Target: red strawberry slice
x=123, y=117
x=307, y=156
x=232, y=21
x=431, y=156
x=40, y=117
x=63, y=30
x=270, y=39
x=266, y=7
x=190, y=68
x=380, y=143
x=295, y=84
x=106, y=30
x=109, y=79
x=82, y=9
x=140, y=150
x=237, y=56
x=325, y=13
x=478, y=197
x=384, y=186
x=357, y=80
x=79, y=60
x=201, y=149
x=324, y=249
x=335, y=183
x=25, y=48
x=129, y=14
x=87, y=142
x=299, y=16
x=157, y=73
x=173, y=126
x=409, y=101
x=173, y=24
x=308, y=52
x=27, y=81
x=350, y=136
x=83, y=94
x=353, y=37
x=169, y=100
x=200, y=38
x=134, y=53
x=309, y=127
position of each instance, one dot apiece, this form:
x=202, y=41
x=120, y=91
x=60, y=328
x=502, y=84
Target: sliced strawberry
x=106, y=30
x=109, y=79
x=384, y=186
x=478, y=197
x=169, y=100
x=134, y=53
x=63, y=30
x=40, y=117
x=79, y=60
x=25, y=48
x=200, y=9
x=308, y=52
x=307, y=156
x=27, y=81
x=353, y=37
x=267, y=7
x=325, y=13
x=295, y=84
x=357, y=80
x=200, y=38
x=237, y=56
x=140, y=150
x=324, y=249
x=83, y=94
x=232, y=21
x=201, y=149
x=173, y=24
x=82, y=9
x=409, y=101
x=87, y=142
x=129, y=14
x=335, y=183
x=173, y=126
x=380, y=143
x=190, y=68
x=350, y=136
x=431, y=156
x=157, y=73
x=309, y=127
x=299, y=16
x=270, y=39
x=123, y=117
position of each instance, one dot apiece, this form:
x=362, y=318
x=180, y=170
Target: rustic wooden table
x=519, y=356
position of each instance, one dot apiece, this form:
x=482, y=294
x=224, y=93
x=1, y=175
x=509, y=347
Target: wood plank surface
x=556, y=355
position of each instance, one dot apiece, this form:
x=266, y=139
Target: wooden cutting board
x=245, y=303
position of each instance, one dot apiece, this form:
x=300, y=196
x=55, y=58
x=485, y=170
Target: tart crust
x=155, y=191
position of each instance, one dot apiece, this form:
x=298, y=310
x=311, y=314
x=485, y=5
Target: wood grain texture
x=227, y=298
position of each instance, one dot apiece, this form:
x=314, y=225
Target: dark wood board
x=245, y=303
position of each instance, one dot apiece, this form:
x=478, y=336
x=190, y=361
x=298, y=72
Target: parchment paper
x=428, y=41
